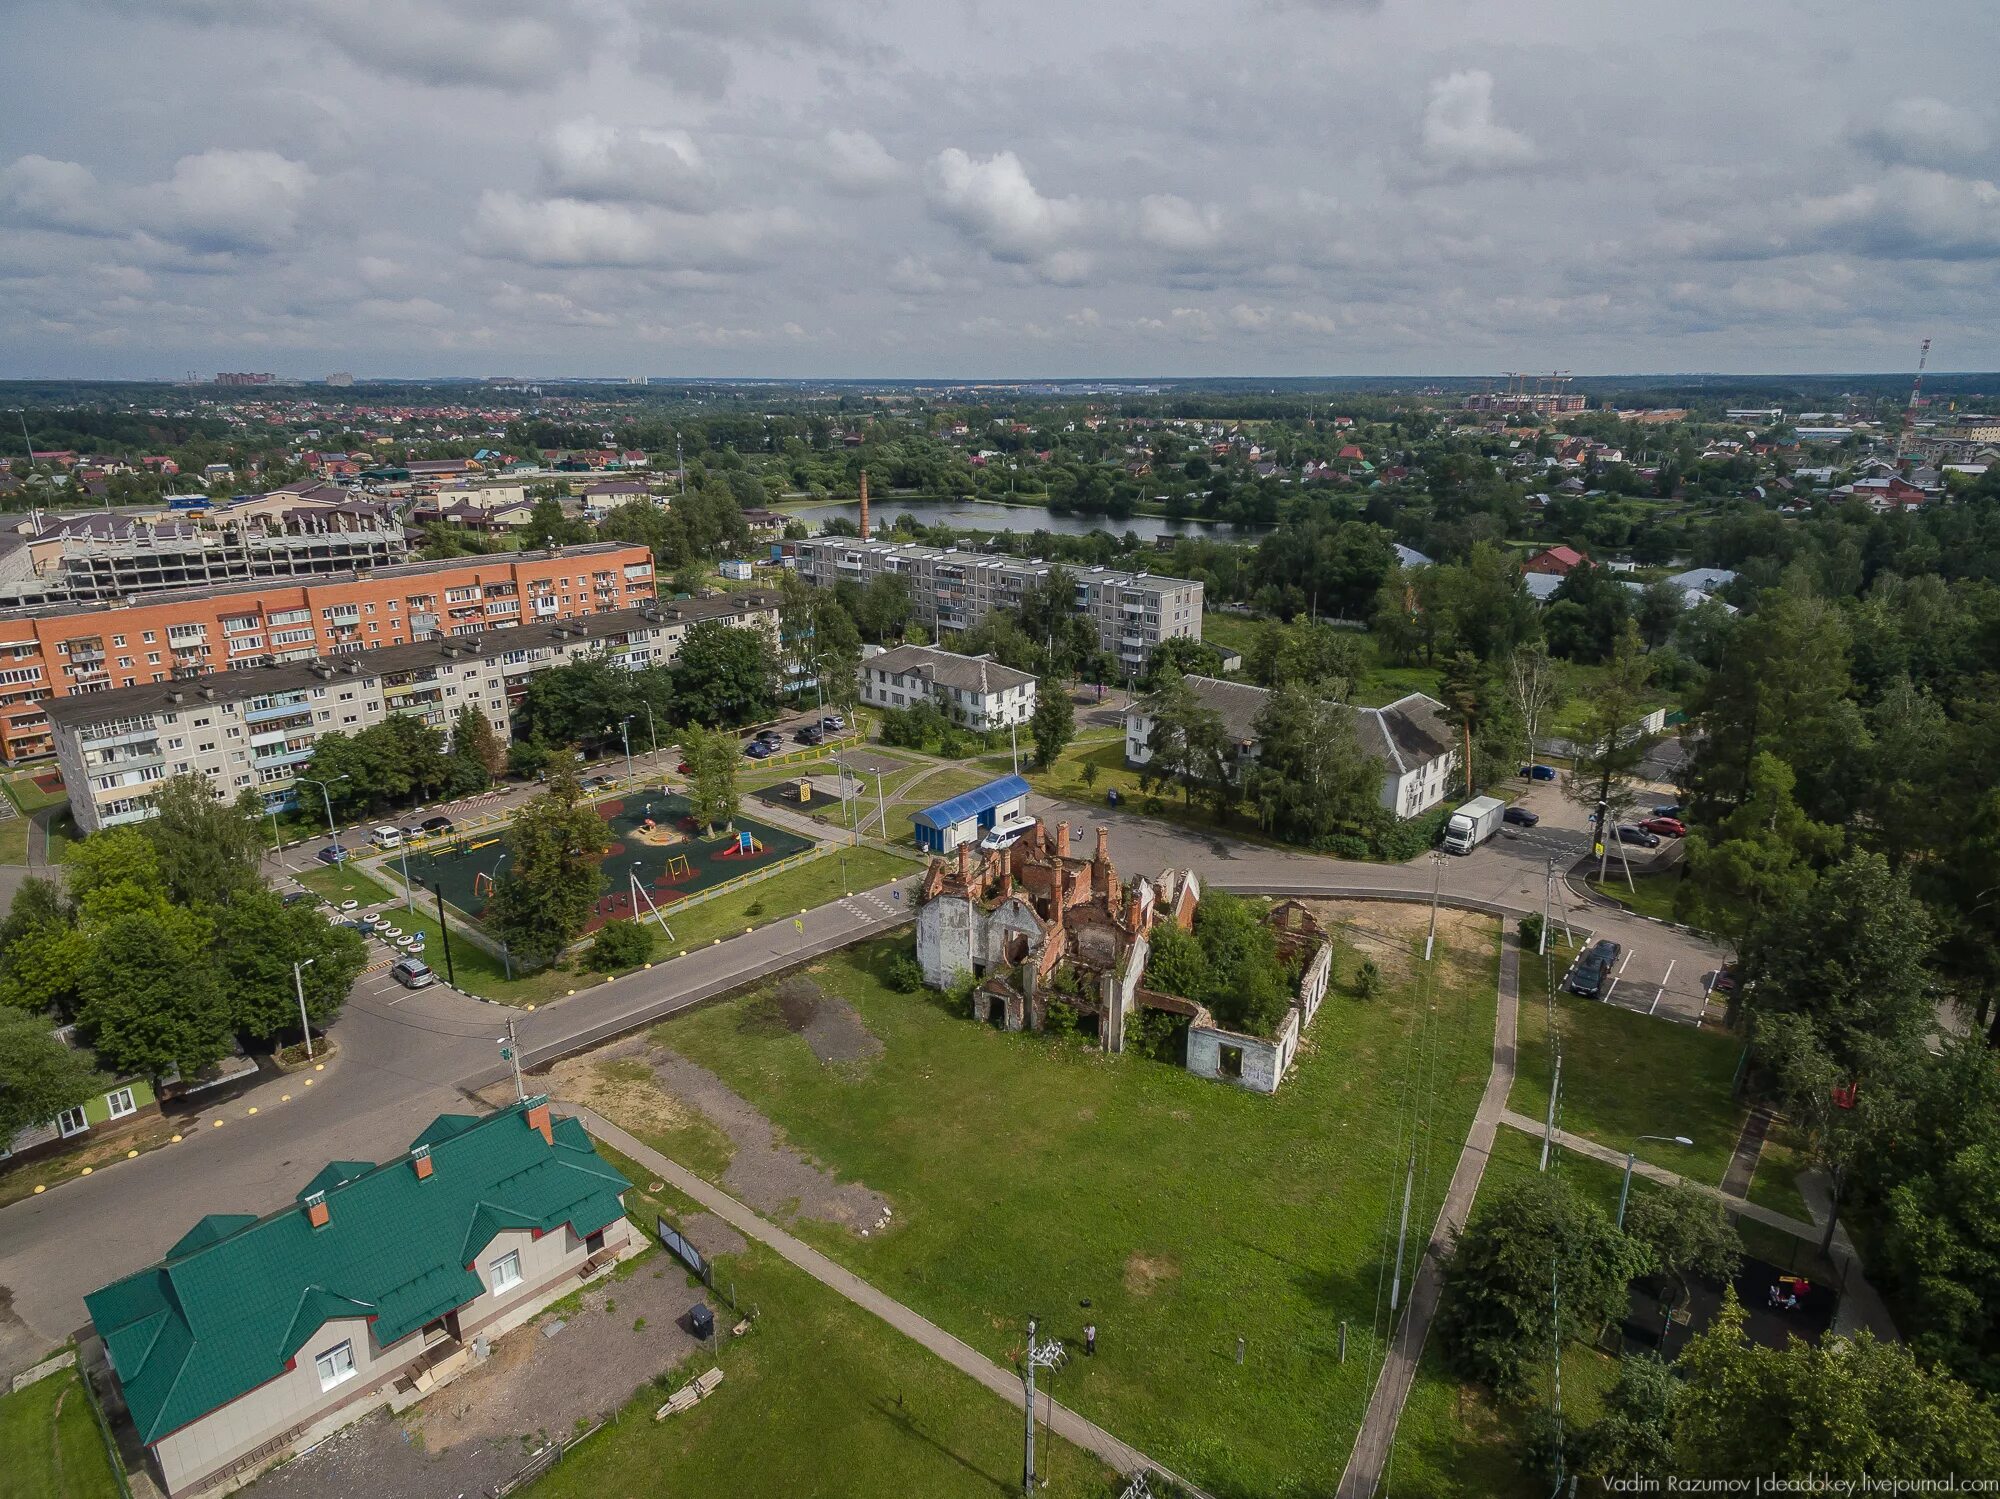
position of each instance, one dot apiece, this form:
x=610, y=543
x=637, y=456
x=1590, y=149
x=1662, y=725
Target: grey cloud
x=592, y=161
x=1923, y=132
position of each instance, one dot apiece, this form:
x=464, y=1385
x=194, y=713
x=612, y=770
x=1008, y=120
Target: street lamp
x=625, y=732
x=652, y=733
x=326, y=797
x=299, y=983
x=1625, y=1188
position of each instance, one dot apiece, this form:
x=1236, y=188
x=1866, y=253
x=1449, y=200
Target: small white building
x=975, y=691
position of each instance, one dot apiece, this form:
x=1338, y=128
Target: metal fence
x=542, y=1461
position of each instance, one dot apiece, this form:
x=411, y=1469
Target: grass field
x=1650, y=894
x=1231, y=632
x=50, y=1447
x=1626, y=1074
x=1030, y=1176
x=14, y=840
x=819, y=1399
x=25, y=794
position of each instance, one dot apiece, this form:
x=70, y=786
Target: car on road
x=1632, y=833
x=1592, y=972
x=1521, y=817
x=435, y=825
x=333, y=853
x=1666, y=827
x=412, y=973
x=594, y=783
x=386, y=837
x=1538, y=772
x=757, y=749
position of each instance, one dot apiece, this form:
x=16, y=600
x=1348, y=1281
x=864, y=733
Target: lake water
x=975, y=515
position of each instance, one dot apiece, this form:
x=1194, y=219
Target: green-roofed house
x=255, y=1336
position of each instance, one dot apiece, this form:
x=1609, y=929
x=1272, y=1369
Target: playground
x=652, y=837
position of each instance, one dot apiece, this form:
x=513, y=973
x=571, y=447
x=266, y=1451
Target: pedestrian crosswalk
x=881, y=905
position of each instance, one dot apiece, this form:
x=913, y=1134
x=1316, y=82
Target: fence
x=542, y=1461
x=104, y=1434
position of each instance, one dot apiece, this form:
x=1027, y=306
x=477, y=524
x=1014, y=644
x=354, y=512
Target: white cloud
x=566, y=232
x=548, y=307
x=856, y=162
x=1460, y=133
x=992, y=202
x=1172, y=223
x=915, y=276
x=596, y=162
x=231, y=200
x=450, y=41
x=1924, y=133
x=420, y=310
x=54, y=195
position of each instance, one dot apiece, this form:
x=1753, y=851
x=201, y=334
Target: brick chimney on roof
x=1062, y=840
x=538, y=1118
x=1102, y=874
x=420, y=1162
x=317, y=1212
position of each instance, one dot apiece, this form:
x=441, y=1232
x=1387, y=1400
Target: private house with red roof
x=256, y=1337
x=1557, y=561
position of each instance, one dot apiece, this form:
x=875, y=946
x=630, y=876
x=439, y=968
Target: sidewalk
x=1003, y=1382
x=1377, y=1438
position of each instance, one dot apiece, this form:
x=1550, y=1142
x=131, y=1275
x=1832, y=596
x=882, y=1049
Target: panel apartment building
x=50, y=654
x=254, y=730
x=954, y=590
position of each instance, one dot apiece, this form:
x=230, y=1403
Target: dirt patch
x=712, y=1236
x=1146, y=1273
x=765, y=1172
x=832, y=1027
x=1392, y=932
x=619, y=1083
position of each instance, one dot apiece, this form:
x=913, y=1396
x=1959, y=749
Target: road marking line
x=1618, y=975
x=1661, y=992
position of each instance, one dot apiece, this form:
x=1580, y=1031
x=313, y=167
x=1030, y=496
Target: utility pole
x=444, y=932
x=1402, y=1233
x=299, y=983
x=1549, y=1130
x=1437, y=889
x=510, y=1049
x=1548, y=900
x=409, y=890
x=1048, y=1355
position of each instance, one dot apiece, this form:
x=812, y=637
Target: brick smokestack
x=864, y=504
x=965, y=861
x=1062, y=840
x=1105, y=877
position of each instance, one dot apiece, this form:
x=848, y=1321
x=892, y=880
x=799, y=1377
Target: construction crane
x=1916, y=400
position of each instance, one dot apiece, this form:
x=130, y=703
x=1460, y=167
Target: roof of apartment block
x=979, y=674
x=238, y=1296
x=500, y=560
x=1406, y=733
x=915, y=551
x=384, y=660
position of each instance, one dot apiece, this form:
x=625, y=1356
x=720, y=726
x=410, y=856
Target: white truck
x=1473, y=823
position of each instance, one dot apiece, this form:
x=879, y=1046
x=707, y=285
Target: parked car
x=1673, y=811
x=333, y=853
x=684, y=769
x=1632, y=833
x=1725, y=979
x=436, y=825
x=808, y=735
x=1666, y=827
x=297, y=897
x=1538, y=772
x=834, y=722
x=386, y=837
x=1521, y=817
x=757, y=749
x=412, y=973
x=594, y=783
x=770, y=736
x=1592, y=972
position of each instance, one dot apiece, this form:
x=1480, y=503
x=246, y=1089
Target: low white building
x=975, y=691
x=1416, y=747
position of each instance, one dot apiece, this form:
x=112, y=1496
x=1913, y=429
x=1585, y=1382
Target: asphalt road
x=404, y=1057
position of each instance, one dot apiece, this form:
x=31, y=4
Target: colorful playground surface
x=652, y=836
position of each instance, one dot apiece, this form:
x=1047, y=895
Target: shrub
x=1367, y=979
x=1531, y=930
x=619, y=945
x=905, y=975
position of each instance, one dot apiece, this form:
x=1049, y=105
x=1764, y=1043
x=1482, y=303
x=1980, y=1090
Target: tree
x=1179, y=656
x=1311, y=779
x=151, y=998
x=1496, y=1312
x=1760, y=859
x=1609, y=746
x=1684, y=1230
x=1535, y=684
x=1187, y=742
x=1844, y=1408
x=1462, y=690
x=474, y=739
x=258, y=939
x=548, y=891
x=712, y=794
x=207, y=849
x=725, y=674
x=1054, y=721
x=1635, y=1433
x=39, y=1076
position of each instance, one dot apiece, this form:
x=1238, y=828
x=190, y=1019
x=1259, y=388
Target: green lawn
x=25, y=794
x=1029, y=1175
x=1775, y=1183
x=1627, y=1074
x=14, y=840
x=1228, y=631
x=1650, y=894
x=1385, y=683
x=819, y=1399
x=50, y=1445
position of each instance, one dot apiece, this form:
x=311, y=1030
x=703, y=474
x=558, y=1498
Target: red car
x=1667, y=827
x=684, y=769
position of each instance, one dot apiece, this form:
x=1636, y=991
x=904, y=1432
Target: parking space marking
x=1659, y=993
x=1622, y=962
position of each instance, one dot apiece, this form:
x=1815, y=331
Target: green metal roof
x=237, y=1297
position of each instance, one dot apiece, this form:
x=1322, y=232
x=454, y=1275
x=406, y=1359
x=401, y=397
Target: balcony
x=272, y=711
x=282, y=756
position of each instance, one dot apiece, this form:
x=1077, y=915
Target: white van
x=386, y=838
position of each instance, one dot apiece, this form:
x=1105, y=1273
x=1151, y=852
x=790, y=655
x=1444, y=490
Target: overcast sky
x=970, y=187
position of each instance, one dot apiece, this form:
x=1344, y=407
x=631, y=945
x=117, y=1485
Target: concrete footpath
x=1003, y=1382
x=1376, y=1440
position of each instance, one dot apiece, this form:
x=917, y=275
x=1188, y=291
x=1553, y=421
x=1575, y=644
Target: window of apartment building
x=149, y=637
x=118, y=640
x=124, y=663
x=72, y=1122
x=175, y=744
x=118, y=1103
x=152, y=658
x=506, y=1271
x=347, y=697
x=335, y=1366
x=235, y=731
x=206, y=749
x=201, y=723
x=350, y=718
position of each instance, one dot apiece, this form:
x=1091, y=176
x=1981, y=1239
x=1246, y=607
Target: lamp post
x=299, y=983
x=1625, y=1188
x=625, y=733
x=653, y=733
x=277, y=838
x=326, y=797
